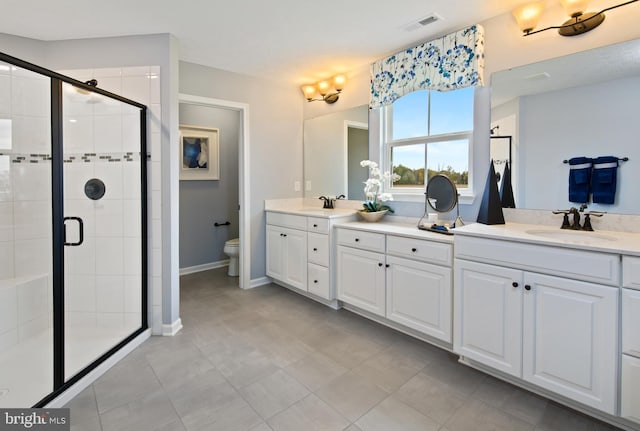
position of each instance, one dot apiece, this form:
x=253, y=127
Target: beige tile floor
x=267, y=359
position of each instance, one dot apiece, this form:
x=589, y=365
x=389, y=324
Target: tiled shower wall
x=25, y=198
x=25, y=206
x=117, y=270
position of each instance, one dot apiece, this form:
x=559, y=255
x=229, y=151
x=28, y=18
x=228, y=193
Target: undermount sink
x=570, y=235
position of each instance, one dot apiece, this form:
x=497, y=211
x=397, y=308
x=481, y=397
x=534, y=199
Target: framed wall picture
x=199, y=153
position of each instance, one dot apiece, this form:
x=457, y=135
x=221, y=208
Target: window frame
x=416, y=194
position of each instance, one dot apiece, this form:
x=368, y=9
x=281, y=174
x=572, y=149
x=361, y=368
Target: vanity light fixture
x=324, y=89
x=580, y=22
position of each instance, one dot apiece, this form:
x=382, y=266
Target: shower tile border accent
x=76, y=158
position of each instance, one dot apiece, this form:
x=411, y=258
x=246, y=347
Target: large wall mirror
x=583, y=104
x=334, y=145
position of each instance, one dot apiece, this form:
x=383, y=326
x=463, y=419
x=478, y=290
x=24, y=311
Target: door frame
x=349, y=124
x=243, y=183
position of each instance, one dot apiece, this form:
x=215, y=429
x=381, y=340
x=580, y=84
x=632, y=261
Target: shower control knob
x=94, y=189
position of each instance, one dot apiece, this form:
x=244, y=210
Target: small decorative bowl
x=372, y=216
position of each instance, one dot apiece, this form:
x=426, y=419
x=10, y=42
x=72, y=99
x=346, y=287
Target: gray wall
x=204, y=202
x=275, y=136
x=592, y=120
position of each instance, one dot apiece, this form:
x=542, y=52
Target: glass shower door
x=26, y=333
x=103, y=218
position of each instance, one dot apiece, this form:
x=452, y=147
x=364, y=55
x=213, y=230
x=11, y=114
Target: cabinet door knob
x=387, y=265
x=357, y=239
x=315, y=225
x=527, y=287
x=284, y=234
x=514, y=284
x=379, y=264
x=315, y=281
x=414, y=250
x=315, y=249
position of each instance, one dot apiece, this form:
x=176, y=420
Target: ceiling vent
x=422, y=22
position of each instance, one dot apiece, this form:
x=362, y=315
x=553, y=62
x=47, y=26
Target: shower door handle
x=80, y=231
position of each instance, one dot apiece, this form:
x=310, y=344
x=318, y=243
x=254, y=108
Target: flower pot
x=372, y=216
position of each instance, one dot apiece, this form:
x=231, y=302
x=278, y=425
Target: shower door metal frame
x=57, y=164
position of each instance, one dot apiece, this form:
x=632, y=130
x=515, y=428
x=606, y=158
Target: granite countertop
x=601, y=241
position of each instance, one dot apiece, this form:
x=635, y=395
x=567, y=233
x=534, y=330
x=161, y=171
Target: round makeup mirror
x=442, y=194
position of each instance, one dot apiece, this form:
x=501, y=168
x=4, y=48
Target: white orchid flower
x=368, y=163
x=373, y=186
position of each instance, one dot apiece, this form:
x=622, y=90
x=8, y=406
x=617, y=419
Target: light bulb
x=574, y=8
x=309, y=91
x=323, y=87
x=528, y=16
x=339, y=81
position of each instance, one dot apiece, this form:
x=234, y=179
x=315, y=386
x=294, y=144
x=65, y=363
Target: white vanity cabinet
x=299, y=252
x=513, y=313
x=419, y=286
x=360, y=268
x=488, y=315
x=287, y=255
x=403, y=279
x=630, y=372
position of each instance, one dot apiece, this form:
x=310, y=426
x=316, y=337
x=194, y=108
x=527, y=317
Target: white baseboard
x=255, y=282
x=98, y=371
x=204, y=267
x=172, y=329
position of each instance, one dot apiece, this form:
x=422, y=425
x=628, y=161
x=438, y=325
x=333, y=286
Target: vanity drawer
x=318, y=248
x=316, y=224
x=591, y=266
x=318, y=281
x=420, y=249
x=359, y=239
x=287, y=220
x=631, y=272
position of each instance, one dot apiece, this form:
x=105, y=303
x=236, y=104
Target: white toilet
x=232, y=249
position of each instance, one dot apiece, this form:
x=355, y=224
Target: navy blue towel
x=604, y=179
x=579, y=179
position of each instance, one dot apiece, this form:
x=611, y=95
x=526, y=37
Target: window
x=429, y=131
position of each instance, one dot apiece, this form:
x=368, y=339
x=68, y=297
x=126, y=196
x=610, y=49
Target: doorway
x=189, y=102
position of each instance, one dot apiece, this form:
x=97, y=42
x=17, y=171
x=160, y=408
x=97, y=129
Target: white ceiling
x=295, y=41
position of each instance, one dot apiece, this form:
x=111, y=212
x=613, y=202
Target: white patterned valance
x=451, y=62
